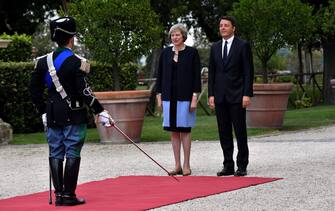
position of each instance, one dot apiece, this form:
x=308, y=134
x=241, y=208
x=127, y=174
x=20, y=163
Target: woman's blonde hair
x=179, y=27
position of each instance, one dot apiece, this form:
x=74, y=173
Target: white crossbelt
x=55, y=79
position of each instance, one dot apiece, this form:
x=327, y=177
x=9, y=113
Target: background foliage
x=18, y=50
x=16, y=107
x=22, y=17
x=15, y=103
x=272, y=24
x=101, y=77
x=116, y=32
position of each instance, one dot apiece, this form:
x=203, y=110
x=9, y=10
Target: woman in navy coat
x=178, y=83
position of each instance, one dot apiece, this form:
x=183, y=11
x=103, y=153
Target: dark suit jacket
x=188, y=73
x=233, y=79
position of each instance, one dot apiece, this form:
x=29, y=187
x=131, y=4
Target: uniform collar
x=59, y=49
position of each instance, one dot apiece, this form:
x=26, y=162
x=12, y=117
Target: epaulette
x=38, y=58
x=84, y=66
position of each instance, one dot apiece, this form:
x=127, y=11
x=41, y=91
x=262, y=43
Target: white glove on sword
x=44, y=120
x=105, y=119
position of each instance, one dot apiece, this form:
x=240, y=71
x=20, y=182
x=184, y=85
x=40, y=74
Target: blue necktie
x=225, y=49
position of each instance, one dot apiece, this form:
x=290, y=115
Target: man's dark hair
x=229, y=18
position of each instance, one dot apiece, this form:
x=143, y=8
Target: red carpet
x=136, y=192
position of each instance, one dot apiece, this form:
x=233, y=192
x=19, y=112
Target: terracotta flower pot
x=268, y=106
x=127, y=108
x=332, y=84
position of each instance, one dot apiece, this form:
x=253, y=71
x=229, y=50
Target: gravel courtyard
x=305, y=159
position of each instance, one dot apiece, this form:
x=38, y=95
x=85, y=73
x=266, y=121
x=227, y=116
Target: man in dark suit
x=229, y=90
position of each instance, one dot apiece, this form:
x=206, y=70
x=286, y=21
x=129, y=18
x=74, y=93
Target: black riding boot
x=70, y=182
x=56, y=167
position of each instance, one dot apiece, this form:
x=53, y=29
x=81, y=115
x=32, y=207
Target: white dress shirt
x=230, y=41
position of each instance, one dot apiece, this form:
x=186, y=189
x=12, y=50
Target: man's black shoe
x=72, y=201
x=240, y=172
x=59, y=200
x=225, y=172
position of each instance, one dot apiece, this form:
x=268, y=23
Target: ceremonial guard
x=64, y=111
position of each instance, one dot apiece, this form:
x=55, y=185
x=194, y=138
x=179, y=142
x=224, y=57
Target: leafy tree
x=317, y=4
x=272, y=24
x=23, y=16
x=42, y=40
x=168, y=12
x=116, y=32
x=324, y=36
x=326, y=28
x=206, y=15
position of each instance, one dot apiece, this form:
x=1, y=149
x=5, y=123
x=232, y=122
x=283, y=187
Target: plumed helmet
x=62, y=29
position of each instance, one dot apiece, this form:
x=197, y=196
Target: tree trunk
x=64, y=6
x=308, y=65
x=155, y=61
x=301, y=66
x=116, y=77
x=311, y=58
x=153, y=74
x=265, y=71
x=329, y=70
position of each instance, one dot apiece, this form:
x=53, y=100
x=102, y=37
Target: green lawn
x=206, y=128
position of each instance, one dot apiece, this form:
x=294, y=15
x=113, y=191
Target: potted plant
x=117, y=34
x=271, y=25
x=127, y=106
x=332, y=84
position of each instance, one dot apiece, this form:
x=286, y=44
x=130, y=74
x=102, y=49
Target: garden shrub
x=19, y=50
x=15, y=102
x=16, y=107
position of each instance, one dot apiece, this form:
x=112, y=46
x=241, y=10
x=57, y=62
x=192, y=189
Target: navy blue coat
x=188, y=73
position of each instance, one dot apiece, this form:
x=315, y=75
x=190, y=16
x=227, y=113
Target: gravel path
x=305, y=159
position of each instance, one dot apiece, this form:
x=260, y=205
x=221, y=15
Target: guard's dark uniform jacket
x=72, y=77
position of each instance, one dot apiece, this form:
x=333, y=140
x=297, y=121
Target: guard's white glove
x=44, y=120
x=105, y=119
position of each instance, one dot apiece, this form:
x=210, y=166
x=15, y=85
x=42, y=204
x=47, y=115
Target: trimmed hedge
x=15, y=103
x=18, y=50
x=16, y=107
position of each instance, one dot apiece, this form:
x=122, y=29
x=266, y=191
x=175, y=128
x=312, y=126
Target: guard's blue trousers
x=66, y=141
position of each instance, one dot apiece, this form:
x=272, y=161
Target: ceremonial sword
x=112, y=124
